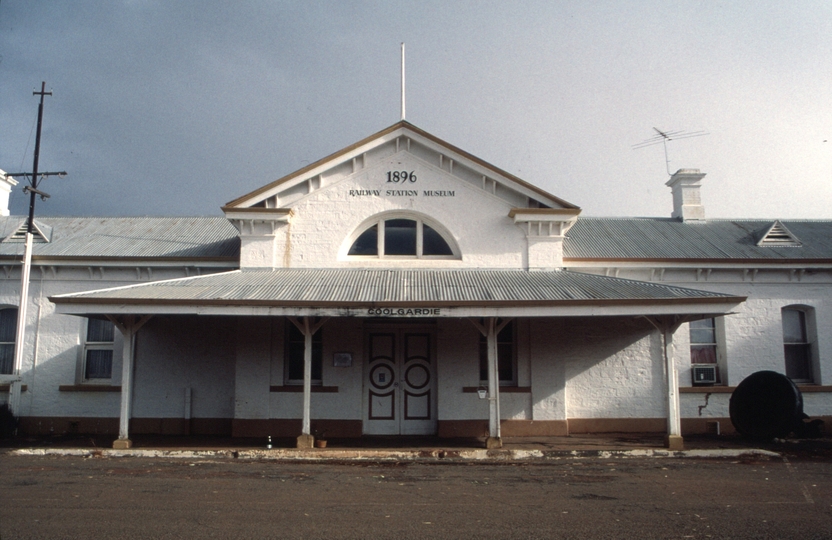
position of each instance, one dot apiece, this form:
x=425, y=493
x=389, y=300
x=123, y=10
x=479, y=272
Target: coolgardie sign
x=404, y=312
x=402, y=178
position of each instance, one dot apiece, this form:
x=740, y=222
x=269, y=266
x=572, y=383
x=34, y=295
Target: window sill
x=88, y=388
x=503, y=389
x=803, y=387
x=7, y=387
x=715, y=389
x=299, y=389
x=810, y=387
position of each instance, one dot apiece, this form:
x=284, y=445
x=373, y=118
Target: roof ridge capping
x=778, y=235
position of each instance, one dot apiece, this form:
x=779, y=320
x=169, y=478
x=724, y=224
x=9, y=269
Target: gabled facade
x=401, y=173
x=403, y=286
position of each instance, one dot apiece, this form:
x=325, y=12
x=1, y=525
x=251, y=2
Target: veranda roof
x=362, y=292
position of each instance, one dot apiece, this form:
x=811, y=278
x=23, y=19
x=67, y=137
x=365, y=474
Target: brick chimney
x=7, y=183
x=687, y=202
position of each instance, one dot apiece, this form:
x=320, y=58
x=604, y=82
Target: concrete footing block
x=122, y=444
x=306, y=441
x=674, y=442
x=493, y=442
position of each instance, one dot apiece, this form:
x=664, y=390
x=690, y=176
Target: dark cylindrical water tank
x=765, y=405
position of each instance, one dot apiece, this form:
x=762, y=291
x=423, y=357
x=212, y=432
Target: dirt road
x=70, y=497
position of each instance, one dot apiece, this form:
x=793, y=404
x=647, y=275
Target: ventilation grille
x=779, y=236
x=40, y=235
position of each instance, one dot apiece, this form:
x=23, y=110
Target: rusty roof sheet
x=128, y=237
x=718, y=239
x=358, y=287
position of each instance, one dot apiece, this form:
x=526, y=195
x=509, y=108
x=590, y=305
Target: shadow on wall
x=175, y=353
x=172, y=354
x=8, y=423
x=612, y=366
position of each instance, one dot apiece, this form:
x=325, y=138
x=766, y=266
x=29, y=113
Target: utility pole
x=32, y=189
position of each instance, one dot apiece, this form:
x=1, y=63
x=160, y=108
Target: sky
x=175, y=108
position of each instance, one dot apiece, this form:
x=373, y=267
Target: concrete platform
x=419, y=448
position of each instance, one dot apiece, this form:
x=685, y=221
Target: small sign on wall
x=342, y=359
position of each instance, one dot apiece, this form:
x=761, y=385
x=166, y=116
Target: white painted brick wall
x=253, y=359
x=704, y=405
x=174, y=353
x=458, y=366
x=600, y=368
x=325, y=219
x=60, y=344
x=613, y=369
x=753, y=334
x=339, y=335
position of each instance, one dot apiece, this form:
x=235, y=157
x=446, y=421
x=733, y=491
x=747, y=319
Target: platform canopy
x=405, y=293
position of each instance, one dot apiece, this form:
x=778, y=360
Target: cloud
x=177, y=108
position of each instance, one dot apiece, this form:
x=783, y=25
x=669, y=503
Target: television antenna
x=663, y=137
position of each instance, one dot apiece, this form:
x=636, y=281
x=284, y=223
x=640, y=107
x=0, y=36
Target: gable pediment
x=406, y=146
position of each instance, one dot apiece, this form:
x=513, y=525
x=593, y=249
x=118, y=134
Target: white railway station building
x=402, y=286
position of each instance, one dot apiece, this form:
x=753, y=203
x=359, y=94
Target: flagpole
x=403, y=101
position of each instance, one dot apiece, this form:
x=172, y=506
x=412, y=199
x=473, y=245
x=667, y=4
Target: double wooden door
x=400, y=382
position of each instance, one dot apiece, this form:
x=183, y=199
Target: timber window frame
x=8, y=338
x=98, y=352
x=293, y=358
x=708, y=345
x=799, y=343
x=401, y=235
x=506, y=356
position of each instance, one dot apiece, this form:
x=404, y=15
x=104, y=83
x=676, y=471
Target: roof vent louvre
x=779, y=236
x=40, y=235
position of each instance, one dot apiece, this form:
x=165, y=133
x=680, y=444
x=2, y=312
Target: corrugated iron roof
x=666, y=238
x=354, y=287
x=589, y=238
x=136, y=237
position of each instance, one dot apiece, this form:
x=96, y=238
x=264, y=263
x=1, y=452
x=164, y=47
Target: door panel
x=382, y=406
x=400, y=383
x=416, y=406
x=381, y=384
x=416, y=383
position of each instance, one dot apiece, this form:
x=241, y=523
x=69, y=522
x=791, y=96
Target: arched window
x=8, y=333
x=401, y=237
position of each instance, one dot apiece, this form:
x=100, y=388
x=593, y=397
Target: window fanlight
x=401, y=237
